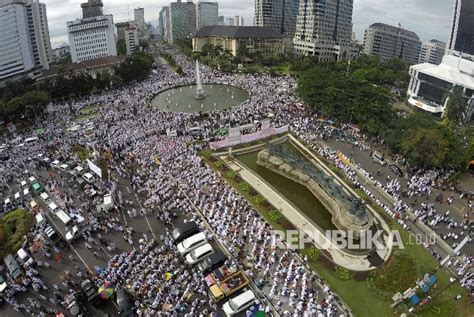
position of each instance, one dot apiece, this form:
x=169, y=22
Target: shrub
x=244, y=186
x=237, y=178
x=342, y=273
x=266, y=204
x=230, y=174
x=312, y=253
x=360, y=276
x=258, y=200
x=253, y=192
x=218, y=165
x=206, y=153
x=275, y=215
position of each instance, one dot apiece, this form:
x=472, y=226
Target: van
x=26, y=192
x=55, y=163
x=212, y=262
x=44, y=197
x=79, y=169
x=17, y=196
x=52, y=206
x=23, y=183
x=197, y=255
x=32, y=179
x=39, y=217
x=192, y=243
x=24, y=257
x=88, y=178
x=239, y=303
x=378, y=158
x=7, y=203
x=3, y=284
x=184, y=231
x=64, y=167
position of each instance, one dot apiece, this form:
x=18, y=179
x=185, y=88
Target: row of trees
x=359, y=93
x=28, y=99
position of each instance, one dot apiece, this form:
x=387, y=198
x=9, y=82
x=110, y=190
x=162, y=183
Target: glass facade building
x=462, y=31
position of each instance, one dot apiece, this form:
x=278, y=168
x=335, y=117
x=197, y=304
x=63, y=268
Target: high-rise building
x=164, y=23
x=239, y=20
x=324, y=29
x=139, y=16
x=389, y=41
x=277, y=14
x=25, y=47
x=432, y=52
x=461, y=38
x=207, y=13
x=131, y=39
x=93, y=36
x=182, y=20
x=92, y=8
x=230, y=21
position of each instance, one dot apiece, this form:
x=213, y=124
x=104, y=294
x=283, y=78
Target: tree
x=425, y=147
x=456, y=106
x=121, y=47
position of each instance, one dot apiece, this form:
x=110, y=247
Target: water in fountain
x=200, y=94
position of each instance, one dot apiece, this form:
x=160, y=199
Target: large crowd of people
x=169, y=175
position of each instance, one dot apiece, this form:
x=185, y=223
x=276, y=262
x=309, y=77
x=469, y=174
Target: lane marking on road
x=146, y=217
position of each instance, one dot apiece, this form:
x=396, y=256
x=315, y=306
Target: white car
x=55, y=163
x=88, y=178
x=199, y=254
x=239, y=303
x=192, y=243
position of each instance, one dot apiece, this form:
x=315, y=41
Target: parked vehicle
x=396, y=170
x=124, y=303
x=3, y=284
x=24, y=257
x=90, y=293
x=239, y=303
x=212, y=262
x=184, y=231
x=192, y=243
x=378, y=158
x=88, y=177
x=218, y=275
x=16, y=272
x=229, y=286
x=197, y=255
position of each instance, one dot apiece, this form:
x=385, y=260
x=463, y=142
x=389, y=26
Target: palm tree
x=456, y=107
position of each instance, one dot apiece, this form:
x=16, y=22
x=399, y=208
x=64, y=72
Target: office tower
x=139, y=16
x=164, y=23
x=207, y=13
x=230, y=21
x=182, y=20
x=25, y=47
x=93, y=36
x=389, y=41
x=324, y=29
x=92, y=8
x=461, y=38
x=277, y=14
x=238, y=20
x=432, y=52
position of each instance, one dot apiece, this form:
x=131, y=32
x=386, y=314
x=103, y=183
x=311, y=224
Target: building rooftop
x=394, y=29
x=238, y=32
x=453, y=69
x=88, y=65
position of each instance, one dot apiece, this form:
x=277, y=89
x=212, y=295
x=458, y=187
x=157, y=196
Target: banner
x=247, y=138
x=94, y=168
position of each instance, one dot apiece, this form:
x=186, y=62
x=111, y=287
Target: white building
x=92, y=37
x=131, y=39
x=430, y=84
x=207, y=13
x=25, y=47
x=239, y=20
x=324, y=29
x=389, y=41
x=432, y=52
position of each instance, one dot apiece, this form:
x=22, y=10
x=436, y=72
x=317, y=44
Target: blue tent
x=425, y=287
x=415, y=299
x=431, y=280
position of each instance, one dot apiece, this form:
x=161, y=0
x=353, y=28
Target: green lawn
x=357, y=295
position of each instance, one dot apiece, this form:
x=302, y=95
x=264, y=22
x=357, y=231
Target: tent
x=415, y=299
